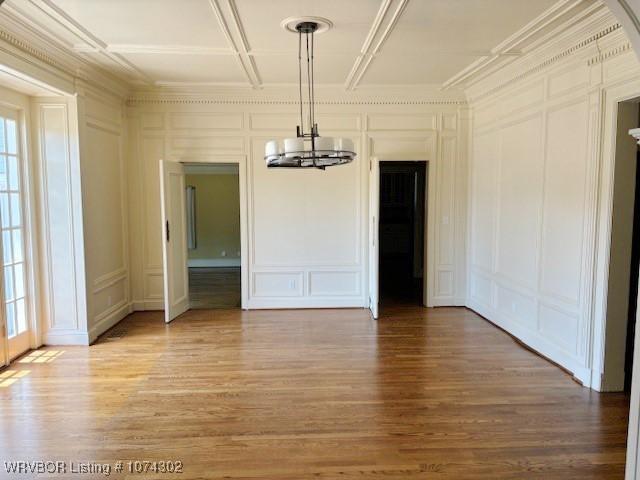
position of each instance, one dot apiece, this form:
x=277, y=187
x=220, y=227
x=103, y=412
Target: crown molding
x=59, y=16
x=46, y=56
x=288, y=95
x=583, y=40
x=515, y=44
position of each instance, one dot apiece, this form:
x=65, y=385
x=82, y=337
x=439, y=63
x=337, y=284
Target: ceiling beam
x=240, y=46
x=156, y=49
x=368, y=53
x=63, y=19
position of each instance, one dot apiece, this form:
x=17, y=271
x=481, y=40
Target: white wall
x=307, y=230
x=104, y=198
x=535, y=174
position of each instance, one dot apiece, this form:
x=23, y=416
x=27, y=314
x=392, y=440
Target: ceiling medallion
x=308, y=149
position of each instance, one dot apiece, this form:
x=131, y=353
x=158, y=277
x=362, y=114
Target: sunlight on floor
x=9, y=377
x=41, y=356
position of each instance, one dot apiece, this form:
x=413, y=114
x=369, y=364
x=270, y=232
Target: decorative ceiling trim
x=241, y=54
x=559, y=56
x=56, y=60
x=59, y=16
x=614, y=52
x=377, y=21
x=512, y=45
x=156, y=49
x=367, y=54
x=141, y=100
x=27, y=48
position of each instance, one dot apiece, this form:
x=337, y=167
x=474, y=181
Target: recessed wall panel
x=520, y=200
x=564, y=201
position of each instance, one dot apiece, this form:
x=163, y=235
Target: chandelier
x=308, y=149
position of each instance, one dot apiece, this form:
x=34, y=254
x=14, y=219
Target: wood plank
x=295, y=394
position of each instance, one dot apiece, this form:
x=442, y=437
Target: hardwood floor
x=432, y=394
x=214, y=287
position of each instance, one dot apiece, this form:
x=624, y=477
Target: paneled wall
x=307, y=231
x=534, y=191
x=56, y=164
x=82, y=191
x=104, y=195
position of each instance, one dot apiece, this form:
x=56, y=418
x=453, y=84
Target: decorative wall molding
x=567, y=80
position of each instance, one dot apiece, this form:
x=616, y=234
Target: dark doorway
x=402, y=232
x=633, y=283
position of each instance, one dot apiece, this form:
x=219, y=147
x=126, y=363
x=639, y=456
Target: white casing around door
x=374, y=235
x=174, y=241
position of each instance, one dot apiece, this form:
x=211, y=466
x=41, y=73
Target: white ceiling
x=240, y=42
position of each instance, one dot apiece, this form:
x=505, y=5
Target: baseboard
x=294, y=303
x=65, y=337
x=449, y=302
x=535, y=342
x=144, y=305
x=213, y=262
x=108, y=319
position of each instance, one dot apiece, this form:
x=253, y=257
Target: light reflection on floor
x=41, y=356
x=9, y=377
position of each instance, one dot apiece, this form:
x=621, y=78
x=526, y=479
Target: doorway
x=401, y=231
x=633, y=282
x=624, y=256
x=203, y=210
x=213, y=235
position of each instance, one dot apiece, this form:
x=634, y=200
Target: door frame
x=241, y=162
x=429, y=234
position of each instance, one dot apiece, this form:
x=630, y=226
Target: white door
x=12, y=237
x=174, y=243
x=374, y=235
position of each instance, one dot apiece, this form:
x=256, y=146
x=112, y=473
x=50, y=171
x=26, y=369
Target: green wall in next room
x=217, y=219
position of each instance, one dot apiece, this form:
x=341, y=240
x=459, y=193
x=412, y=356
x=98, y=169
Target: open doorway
x=633, y=282
x=202, y=213
x=624, y=257
x=402, y=232
x=213, y=235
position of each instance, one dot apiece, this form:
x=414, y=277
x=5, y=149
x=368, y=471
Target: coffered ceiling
x=241, y=42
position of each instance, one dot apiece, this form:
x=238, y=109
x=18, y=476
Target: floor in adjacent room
x=217, y=287
x=297, y=394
